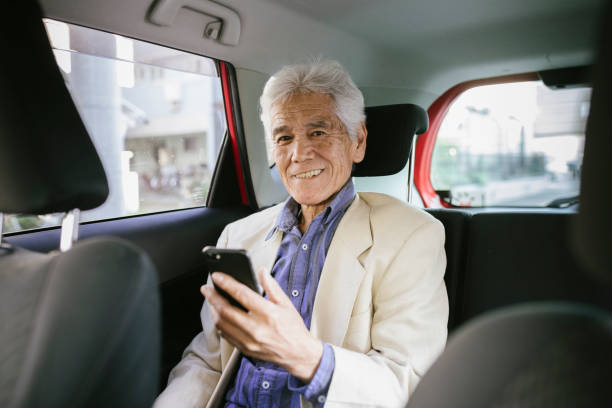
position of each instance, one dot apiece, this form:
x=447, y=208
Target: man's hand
x=272, y=330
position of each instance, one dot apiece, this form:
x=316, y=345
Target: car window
x=155, y=116
x=516, y=144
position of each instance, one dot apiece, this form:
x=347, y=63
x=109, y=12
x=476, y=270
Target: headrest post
x=70, y=229
x=1, y=226
x=411, y=168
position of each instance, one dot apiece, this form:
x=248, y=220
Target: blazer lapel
x=264, y=253
x=217, y=399
x=341, y=275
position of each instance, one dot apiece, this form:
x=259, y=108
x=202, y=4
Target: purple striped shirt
x=297, y=269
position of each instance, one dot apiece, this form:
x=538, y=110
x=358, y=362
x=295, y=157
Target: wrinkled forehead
x=304, y=109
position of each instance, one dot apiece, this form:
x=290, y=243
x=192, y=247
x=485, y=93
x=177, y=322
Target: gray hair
x=326, y=77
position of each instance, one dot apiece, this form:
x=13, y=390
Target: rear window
x=155, y=116
x=517, y=144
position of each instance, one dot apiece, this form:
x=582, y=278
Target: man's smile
x=308, y=174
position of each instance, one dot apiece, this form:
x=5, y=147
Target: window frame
x=426, y=142
x=235, y=133
x=234, y=136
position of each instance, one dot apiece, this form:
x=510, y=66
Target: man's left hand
x=271, y=330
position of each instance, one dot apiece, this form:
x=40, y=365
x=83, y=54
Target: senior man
x=355, y=308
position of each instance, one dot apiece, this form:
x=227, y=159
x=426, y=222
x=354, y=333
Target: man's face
x=312, y=149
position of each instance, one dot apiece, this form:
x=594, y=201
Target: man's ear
x=360, y=144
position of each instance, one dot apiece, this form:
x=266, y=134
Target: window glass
x=155, y=116
x=517, y=144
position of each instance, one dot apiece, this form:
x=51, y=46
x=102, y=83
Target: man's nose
x=302, y=149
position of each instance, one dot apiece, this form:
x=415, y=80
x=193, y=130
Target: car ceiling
x=401, y=24
x=428, y=45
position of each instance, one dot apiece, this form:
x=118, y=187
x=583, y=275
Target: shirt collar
x=289, y=214
x=340, y=202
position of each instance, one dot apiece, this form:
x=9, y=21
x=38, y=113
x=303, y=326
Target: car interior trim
x=232, y=132
x=225, y=30
x=240, y=134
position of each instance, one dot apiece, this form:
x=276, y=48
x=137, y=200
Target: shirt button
x=321, y=399
x=265, y=385
x=305, y=247
x=295, y=292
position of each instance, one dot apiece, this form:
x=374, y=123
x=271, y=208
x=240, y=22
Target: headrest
x=391, y=129
x=593, y=229
x=47, y=161
x=544, y=354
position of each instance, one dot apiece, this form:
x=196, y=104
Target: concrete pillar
x=216, y=124
x=94, y=88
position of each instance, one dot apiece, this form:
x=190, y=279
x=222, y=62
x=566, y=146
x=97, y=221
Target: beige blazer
x=381, y=303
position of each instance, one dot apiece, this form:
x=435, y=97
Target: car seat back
x=80, y=326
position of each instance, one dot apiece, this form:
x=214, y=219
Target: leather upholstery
x=391, y=129
x=524, y=257
x=47, y=161
x=533, y=355
x=455, y=244
x=593, y=226
x=81, y=328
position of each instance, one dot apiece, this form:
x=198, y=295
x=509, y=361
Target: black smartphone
x=234, y=262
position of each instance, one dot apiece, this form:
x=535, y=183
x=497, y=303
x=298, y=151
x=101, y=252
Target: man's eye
x=318, y=133
x=283, y=139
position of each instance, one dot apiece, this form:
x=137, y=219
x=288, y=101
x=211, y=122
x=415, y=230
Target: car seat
x=80, y=326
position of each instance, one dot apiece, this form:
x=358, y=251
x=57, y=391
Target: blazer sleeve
x=408, y=331
x=194, y=378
